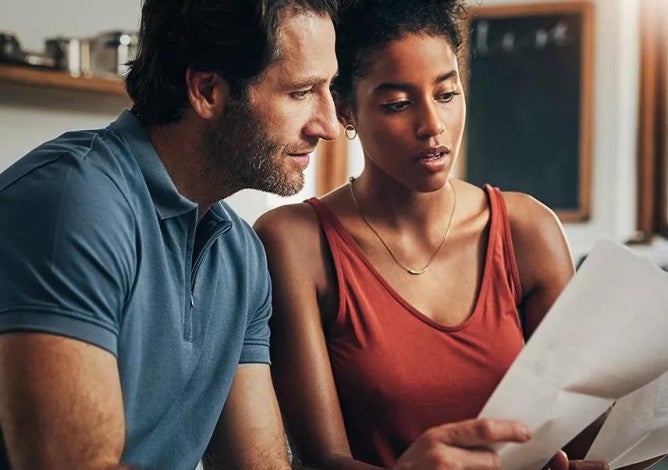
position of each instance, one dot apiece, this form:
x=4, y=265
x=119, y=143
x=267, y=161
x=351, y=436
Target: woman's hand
x=465, y=445
x=462, y=445
x=561, y=462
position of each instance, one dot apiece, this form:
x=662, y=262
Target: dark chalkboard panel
x=529, y=102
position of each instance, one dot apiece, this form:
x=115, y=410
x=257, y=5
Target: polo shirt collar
x=166, y=198
x=218, y=217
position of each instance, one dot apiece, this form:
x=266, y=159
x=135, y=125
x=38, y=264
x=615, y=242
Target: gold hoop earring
x=350, y=132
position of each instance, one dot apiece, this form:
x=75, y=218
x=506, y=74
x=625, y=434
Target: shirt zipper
x=188, y=330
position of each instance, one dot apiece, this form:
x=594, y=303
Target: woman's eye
x=396, y=106
x=447, y=97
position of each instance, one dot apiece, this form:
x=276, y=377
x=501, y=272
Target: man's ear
x=208, y=93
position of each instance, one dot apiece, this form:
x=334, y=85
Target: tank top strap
x=341, y=248
x=500, y=230
x=328, y=221
x=330, y=225
x=319, y=208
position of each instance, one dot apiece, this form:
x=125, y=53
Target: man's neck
x=178, y=146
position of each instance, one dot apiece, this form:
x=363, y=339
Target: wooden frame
x=586, y=10
x=331, y=164
x=653, y=121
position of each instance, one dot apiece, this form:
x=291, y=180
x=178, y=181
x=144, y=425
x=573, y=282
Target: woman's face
x=410, y=111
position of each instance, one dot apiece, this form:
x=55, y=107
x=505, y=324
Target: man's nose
x=324, y=124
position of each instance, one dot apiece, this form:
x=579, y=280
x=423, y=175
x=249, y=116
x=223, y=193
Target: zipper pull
x=192, y=301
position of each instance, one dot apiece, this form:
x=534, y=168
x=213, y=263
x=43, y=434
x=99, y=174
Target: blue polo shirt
x=97, y=244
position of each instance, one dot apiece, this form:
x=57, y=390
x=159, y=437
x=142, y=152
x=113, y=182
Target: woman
x=402, y=298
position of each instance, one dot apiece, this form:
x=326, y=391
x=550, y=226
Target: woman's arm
x=545, y=265
x=300, y=362
x=543, y=257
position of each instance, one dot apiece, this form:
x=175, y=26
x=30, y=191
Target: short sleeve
x=256, y=341
x=67, y=252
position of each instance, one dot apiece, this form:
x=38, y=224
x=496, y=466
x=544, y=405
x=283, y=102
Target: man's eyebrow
x=310, y=81
x=390, y=86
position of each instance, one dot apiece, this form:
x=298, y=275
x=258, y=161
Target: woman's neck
x=386, y=201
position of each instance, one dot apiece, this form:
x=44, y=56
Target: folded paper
x=637, y=427
x=602, y=339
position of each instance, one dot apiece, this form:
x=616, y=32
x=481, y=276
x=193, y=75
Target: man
x=133, y=303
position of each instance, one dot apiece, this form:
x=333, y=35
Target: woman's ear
x=344, y=111
x=208, y=93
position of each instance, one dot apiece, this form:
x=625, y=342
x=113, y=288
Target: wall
x=34, y=20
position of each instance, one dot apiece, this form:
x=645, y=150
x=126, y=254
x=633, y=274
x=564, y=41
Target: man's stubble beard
x=241, y=153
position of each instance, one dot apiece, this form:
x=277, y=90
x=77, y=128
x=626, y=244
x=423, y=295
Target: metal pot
x=10, y=50
x=112, y=51
x=70, y=54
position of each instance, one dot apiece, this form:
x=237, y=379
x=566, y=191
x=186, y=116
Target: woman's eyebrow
x=395, y=86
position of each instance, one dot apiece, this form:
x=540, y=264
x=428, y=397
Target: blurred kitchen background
x=626, y=193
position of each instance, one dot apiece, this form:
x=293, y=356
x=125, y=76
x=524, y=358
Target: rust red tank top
x=397, y=372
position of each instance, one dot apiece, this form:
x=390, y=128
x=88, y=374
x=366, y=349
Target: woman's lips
x=433, y=153
x=434, y=160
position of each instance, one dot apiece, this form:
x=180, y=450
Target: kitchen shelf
x=20, y=75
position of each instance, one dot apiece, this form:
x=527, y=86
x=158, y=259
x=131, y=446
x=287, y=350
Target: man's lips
x=300, y=153
x=300, y=159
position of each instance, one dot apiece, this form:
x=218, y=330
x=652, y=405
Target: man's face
x=267, y=136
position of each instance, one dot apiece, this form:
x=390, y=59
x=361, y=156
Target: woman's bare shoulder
x=529, y=217
x=297, y=251
x=541, y=248
x=301, y=214
x=291, y=224
x=287, y=219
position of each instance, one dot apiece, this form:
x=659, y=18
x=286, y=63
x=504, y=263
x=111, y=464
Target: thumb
x=559, y=461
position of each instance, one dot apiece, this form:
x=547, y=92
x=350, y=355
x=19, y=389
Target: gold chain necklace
x=414, y=272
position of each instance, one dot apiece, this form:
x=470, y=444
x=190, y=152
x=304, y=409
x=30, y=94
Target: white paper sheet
x=637, y=427
x=603, y=338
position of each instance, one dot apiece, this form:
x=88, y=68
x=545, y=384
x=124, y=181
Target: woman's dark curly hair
x=236, y=38
x=366, y=26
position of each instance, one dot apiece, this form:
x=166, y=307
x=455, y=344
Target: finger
x=480, y=432
x=464, y=459
x=559, y=461
x=587, y=465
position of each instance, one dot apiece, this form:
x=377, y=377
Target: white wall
x=26, y=119
x=34, y=20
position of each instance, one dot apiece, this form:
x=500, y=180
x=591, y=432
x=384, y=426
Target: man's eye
x=396, y=106
x=301, y=93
